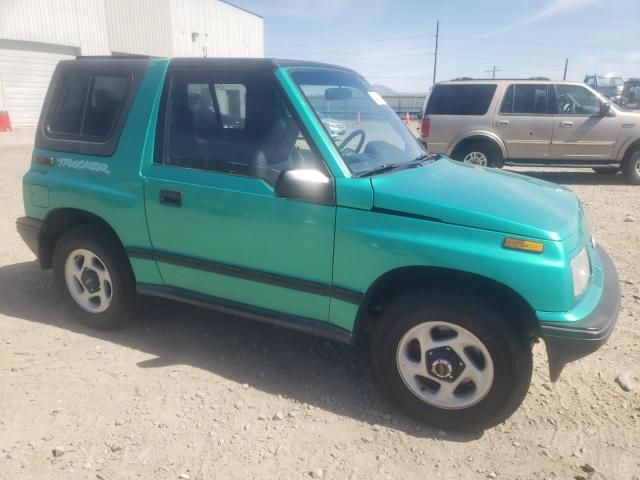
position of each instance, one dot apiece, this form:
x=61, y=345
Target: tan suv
x=531, y=123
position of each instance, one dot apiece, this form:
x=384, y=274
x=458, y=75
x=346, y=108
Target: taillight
x=44, y=160
x=424, y=127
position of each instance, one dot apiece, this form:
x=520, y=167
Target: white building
x=36, y=34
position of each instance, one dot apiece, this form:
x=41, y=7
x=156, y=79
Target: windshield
x=368, y=134
x=610, y=81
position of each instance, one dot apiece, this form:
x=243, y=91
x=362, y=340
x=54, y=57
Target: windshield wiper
x=387, y=167
x=424, y=158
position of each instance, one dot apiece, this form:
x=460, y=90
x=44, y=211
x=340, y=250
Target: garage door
x=24, y=78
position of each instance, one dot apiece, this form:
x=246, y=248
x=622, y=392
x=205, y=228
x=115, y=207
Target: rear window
x=88, y=106
x=460, y=99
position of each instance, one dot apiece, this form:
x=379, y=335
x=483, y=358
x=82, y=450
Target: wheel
x=631, y=168
x=480, y=153
x=448, y=360
x=606, y=170
x=95, y=277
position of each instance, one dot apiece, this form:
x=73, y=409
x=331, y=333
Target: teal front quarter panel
x=370, y=244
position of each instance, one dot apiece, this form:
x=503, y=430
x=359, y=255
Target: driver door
x=579, y=132
x=216, y=226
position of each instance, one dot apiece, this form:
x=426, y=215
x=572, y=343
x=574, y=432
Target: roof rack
x=462, y=79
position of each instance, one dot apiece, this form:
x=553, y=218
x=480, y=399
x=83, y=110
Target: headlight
x=580, y=271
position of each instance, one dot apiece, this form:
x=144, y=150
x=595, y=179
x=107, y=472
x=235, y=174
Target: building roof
x=241, y=8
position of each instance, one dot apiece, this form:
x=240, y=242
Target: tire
x=606, y=170
x=480, y=150
x=631, y=167
x=509, y=357
x=80, y=259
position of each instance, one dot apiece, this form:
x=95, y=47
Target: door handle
x=503, y=123
x=172, y=198
x=566, y=124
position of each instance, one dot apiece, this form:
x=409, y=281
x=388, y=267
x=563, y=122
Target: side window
x=460, y=99
x=106, y=100
x=530, y=99
x=576, y=100
x=232, y=99
x=66, y=118
x=88, y=106
x=238, y=126
x=591, y=81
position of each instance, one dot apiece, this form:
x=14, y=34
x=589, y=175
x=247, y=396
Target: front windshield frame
x=413, y=150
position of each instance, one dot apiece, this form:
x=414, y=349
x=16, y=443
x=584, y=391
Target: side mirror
x=605, y=109
x=419, y=115
x=305, y=184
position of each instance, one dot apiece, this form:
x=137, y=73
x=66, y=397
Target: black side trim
x=568, y=342
x=308, y=286
x=346, y=295
x=561, y=163
x=292, y=322
x=29, y=229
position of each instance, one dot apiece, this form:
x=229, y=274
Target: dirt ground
x=185, y=393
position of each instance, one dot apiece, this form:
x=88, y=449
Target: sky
x=391, y=42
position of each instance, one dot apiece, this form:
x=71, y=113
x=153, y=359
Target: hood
x=490, y=199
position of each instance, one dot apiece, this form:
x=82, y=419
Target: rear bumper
x=569, y=341
x=29, y=229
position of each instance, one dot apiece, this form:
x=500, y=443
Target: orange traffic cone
x=407, y=119
x=5, y=122
x=358, y=119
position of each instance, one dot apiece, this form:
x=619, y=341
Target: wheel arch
x=506, y=301
x=626, y=151
x=472, y=137
x=59, y=221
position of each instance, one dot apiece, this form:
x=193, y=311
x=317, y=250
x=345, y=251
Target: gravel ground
x=187, y=394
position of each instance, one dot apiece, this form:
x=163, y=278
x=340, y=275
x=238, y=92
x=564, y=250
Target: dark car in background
x=607, y=85
x=630, y=98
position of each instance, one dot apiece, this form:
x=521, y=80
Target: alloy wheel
x=88, y=281
x=445, y=365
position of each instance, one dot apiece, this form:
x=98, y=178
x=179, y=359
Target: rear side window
x=526, y=99
x=88, y=106
x=67, y=113
x=460, y=99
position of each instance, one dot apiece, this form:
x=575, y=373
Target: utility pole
x=435, y=58
x=566, y=64
x=493, y=72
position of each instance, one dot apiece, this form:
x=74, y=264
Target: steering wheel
x=350, y=137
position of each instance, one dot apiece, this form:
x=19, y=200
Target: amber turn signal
x=526, y=245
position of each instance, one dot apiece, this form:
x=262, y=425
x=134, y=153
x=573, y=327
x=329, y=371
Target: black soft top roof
x=249, y=63
x=257, y=63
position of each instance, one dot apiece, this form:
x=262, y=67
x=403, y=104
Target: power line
x=493, y=71
x=474, y=39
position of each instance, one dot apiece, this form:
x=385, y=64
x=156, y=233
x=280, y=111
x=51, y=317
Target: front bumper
x=569, y=341
x=29, y=229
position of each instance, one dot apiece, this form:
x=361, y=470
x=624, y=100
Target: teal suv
x=217, y=182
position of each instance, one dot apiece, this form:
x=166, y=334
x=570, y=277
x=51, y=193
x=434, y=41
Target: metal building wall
x=73, y=23
x=34, y=36
x=141, y=27
x=222, y=30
